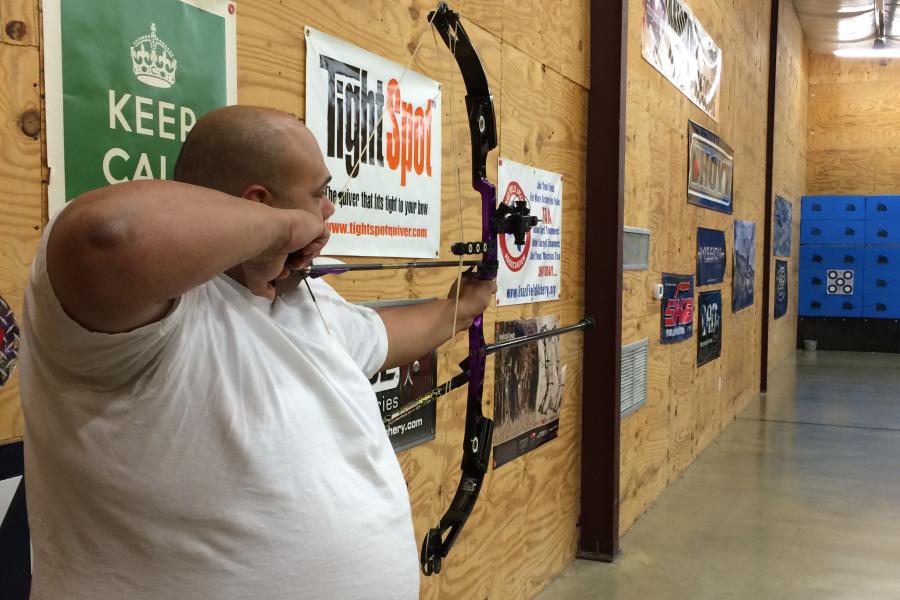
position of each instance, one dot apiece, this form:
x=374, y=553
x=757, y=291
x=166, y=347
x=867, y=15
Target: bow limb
x=479, y=429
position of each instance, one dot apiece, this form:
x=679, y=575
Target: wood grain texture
x=524, y=530
x=789, y=178
x=19, y=25
x=688, y=406
x=20, y=182
x=852, y=133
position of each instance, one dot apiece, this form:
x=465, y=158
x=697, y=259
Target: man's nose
x=327, y=209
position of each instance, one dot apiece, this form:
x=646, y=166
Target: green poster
x=126, y=81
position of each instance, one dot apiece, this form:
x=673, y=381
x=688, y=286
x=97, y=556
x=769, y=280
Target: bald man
x=192, y=431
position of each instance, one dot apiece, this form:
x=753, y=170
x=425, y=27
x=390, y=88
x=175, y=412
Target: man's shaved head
x=234, y=147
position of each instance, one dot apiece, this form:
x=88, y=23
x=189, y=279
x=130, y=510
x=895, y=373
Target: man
x=190, y=431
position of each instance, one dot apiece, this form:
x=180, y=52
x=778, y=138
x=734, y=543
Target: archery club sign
x=531, y=272
x=379, y=127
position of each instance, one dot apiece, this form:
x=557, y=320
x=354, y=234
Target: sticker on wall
x=744, y=264
x=840, y=282
x=710, y=256
x=781, y=288
x=710, y=170
x=9, y=342
x=783, y=225
x=528, y=389
x=677, y=319
x=709, y=346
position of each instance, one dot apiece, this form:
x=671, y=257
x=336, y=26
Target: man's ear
x=258, y=193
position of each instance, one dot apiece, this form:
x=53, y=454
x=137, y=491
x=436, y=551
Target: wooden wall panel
x=789, y=178
x=20, y=173
x=688, y=406
x=854, y=111
x=524, y=530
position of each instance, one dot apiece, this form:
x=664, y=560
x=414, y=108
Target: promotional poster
x=744, y=264
x=677, y=45
x=397, y=387
x=710, y=170
x=528, y=389
x=532, y=272
x=710, y=256
x=783, y=227
x=709, y=344
x=677, y=320
x=379, y=127
x=781, y=288
x=123, y=102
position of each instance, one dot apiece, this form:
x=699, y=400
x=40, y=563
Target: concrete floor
x=799, y=498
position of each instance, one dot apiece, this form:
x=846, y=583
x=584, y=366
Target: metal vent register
x=633, y=393
x=636, y=249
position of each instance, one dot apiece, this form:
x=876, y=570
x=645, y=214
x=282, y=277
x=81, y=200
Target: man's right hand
x=307, y=235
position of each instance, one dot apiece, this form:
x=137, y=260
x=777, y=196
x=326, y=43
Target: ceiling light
x=878, y=50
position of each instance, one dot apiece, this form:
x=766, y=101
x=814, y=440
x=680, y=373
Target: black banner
x=397, y=387
x=710, y=256
x=781, y=288
x=709, y=346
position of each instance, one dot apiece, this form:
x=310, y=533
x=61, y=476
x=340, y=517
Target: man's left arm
x=416, y=329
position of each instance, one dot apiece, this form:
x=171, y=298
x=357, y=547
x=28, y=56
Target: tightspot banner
x=379, y=127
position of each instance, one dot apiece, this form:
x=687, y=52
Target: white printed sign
x=531, y=272
x=379, y=127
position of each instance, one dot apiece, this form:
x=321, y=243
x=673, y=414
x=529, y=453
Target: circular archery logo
x=9, y=342
x=514, y=262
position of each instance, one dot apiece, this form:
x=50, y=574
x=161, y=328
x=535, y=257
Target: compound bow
x=504, y=219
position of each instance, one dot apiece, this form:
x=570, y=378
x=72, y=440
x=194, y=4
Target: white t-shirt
x=233, y=449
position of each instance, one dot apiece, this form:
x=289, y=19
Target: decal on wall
x=677, y=319
x=744, y=264
x=709, y=345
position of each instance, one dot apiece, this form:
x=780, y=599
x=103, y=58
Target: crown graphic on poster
x=152, y=61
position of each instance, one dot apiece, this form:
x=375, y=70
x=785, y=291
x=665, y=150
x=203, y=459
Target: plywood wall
x=523, y=531
x=20, y=172
x=789, y=176
x=688, y=406
x=854, y=126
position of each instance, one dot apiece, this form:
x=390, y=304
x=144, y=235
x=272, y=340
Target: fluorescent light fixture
x=878, y=50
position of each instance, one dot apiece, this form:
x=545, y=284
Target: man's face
x=306, y=185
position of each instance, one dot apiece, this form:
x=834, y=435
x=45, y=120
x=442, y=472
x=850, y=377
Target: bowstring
x=453, y=37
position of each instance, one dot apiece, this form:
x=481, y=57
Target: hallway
x=799, y=498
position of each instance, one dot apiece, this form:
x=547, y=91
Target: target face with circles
x=840, y=282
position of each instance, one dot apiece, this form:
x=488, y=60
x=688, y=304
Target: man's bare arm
x=417, y=329
x=120, y=255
